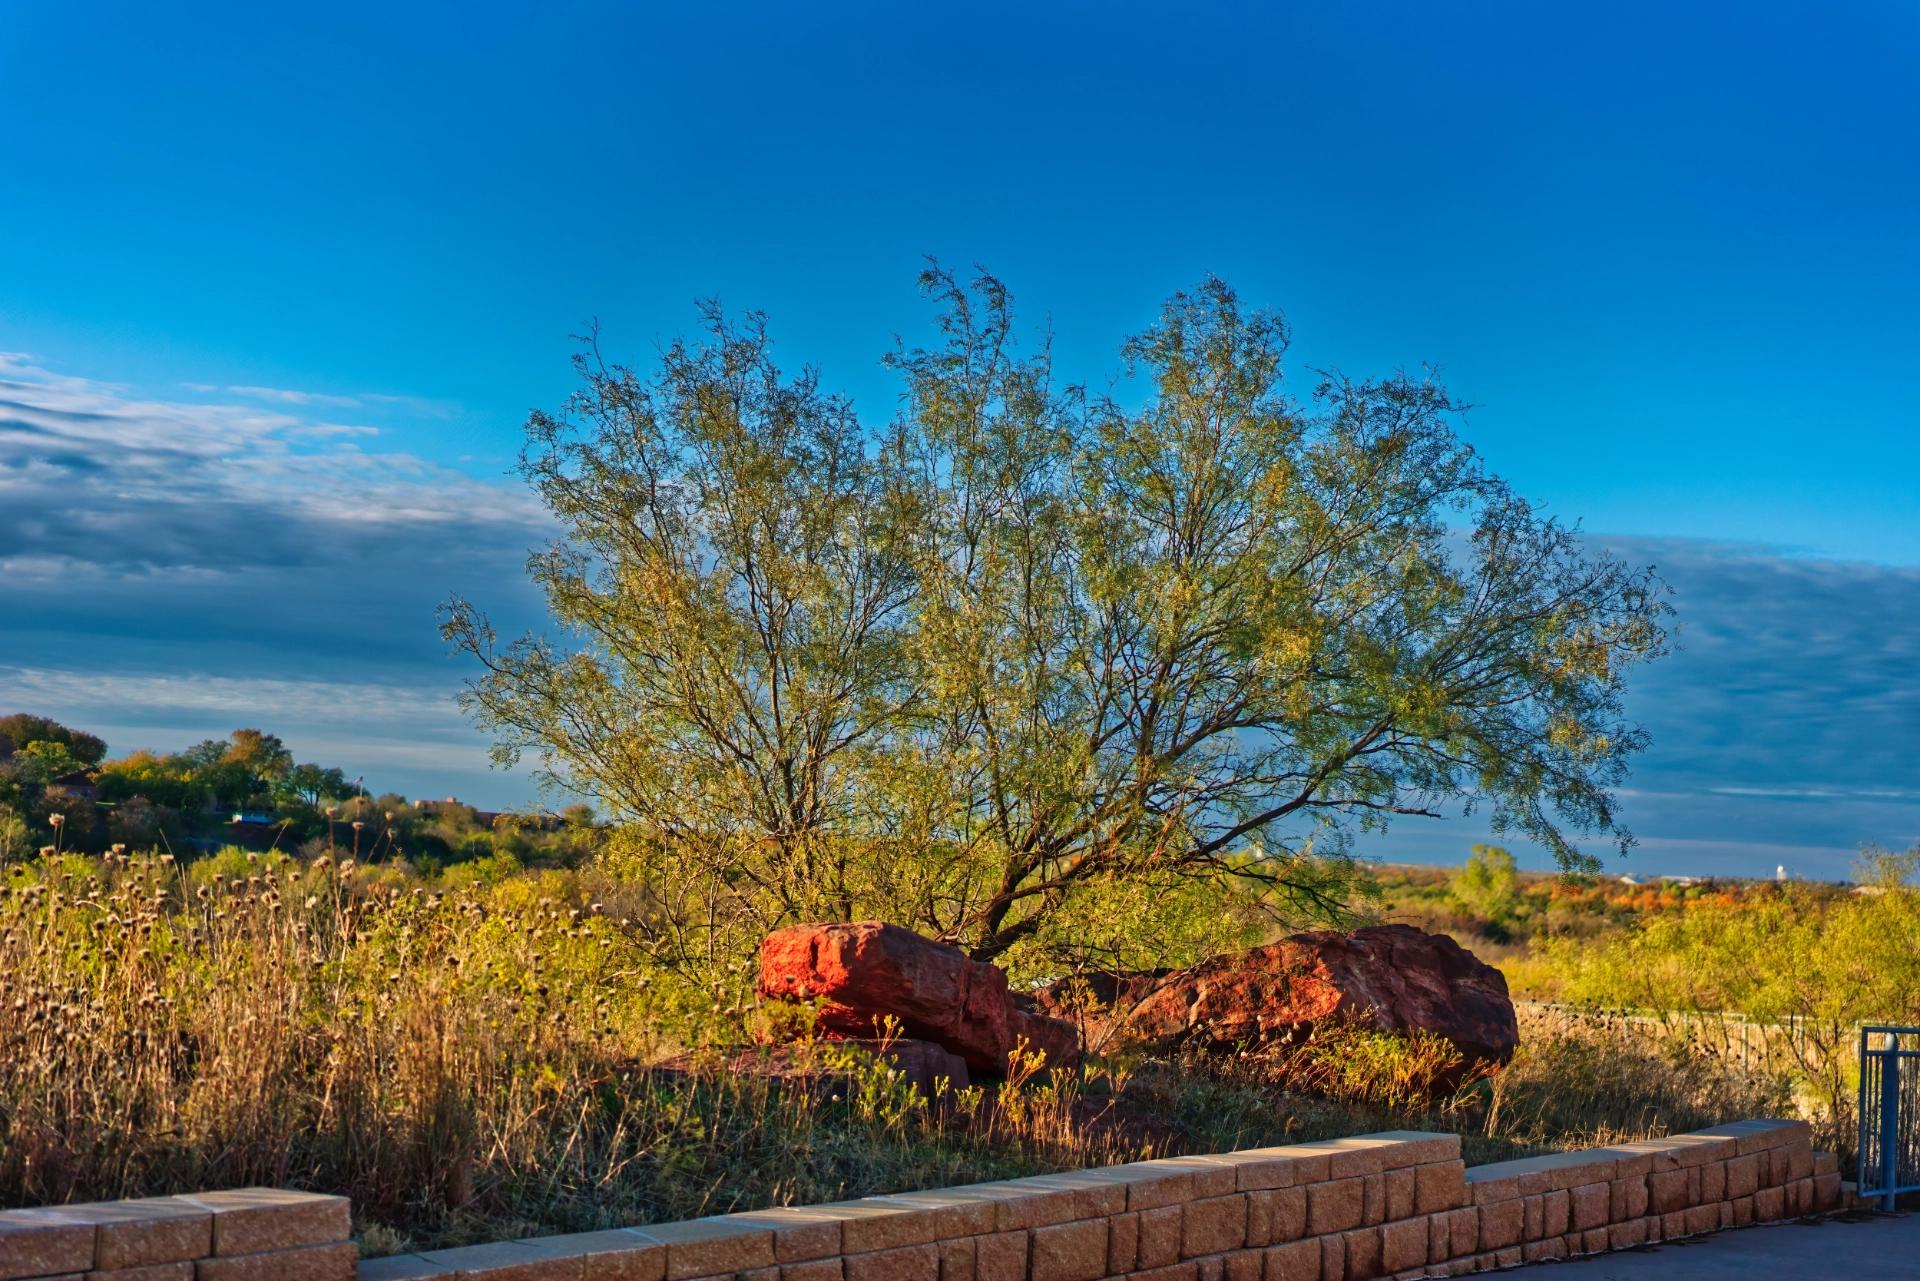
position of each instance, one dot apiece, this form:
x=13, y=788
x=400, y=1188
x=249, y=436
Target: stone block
x=1493, y=1191
x=1594, y=1240
x=1243, y=1265
x=1172, y=1181
x=1667, y=1191
x=1500, y=1225
x=957, y=1258
x=1440, y=1186
x=801, y=1233
x=1402, y=1189
x=1825, y=1163
x=1000, y=1256
x=1288, y=1214
x=1333, y=1257
x=815, y=1270
x=1759, y=1135
x=1439, y=1237
x=1780, y=1163
x=948, y=1212
x=1532, y=1216
x=1403, y=1244
x=1294, y=1261
x=873, y=1223
x=1091, y=1193
x=1713, y=1181
x=1373, y=1199
x=1463, y=1230
x=255, y=1220
x=1188, y=1271
x=1258, y=1169
x=904, y=1263
x=1070, y=1251
x=715, y=1246
x=34, y=1244
x=1543, y=1249
x=1123, y=1243
x=1743, y=1176
x=1412, y=1147
x=1592, y=1203
x=1702, y=1219
x=1362, y=1249
x=1335, y=1206
x=338, y=1261
x=1210, y=1268
x=616, y=1255
x=181, y=1271
x=1630, y=1162
x=134, y=1233
x=1799, y=1162
x=1160, y=1236
x=1259, y=1220
x=1769, y=1204
x=1624, y=1236
x=1556, y=1213
x=1213, y=1226
x=1627, y=1199
x=1826, y=1190
x=1027, y=1203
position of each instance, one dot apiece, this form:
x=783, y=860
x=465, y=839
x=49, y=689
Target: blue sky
x=282, y=281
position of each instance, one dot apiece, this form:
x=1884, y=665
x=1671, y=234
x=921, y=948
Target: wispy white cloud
x=307, y=399
x=103, y=481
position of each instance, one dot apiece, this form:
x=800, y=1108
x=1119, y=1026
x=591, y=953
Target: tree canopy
x=1031, y=645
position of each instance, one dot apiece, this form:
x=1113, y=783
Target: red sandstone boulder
x=864, y=971
x=1392, y=977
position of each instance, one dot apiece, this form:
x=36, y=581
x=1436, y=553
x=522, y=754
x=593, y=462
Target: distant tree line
x=188, y=800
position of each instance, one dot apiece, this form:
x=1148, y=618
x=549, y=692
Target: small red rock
x=863, y=971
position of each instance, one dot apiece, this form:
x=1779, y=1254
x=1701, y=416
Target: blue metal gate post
x=1890, y=1117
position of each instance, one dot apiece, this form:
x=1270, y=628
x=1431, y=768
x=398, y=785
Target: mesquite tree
x=1028, y=644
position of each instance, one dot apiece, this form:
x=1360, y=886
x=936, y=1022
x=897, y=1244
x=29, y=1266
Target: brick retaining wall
x=1395, y=1205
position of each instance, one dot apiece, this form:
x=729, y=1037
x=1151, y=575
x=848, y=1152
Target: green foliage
x=1030, y=654
x=44, y=760
x=1816, y=963
x=23, y=730
x=496, y=1054
x=1488, y=887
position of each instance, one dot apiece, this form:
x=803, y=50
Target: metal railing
x=1889, y=1112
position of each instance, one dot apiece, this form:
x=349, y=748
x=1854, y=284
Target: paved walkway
x=1876, y=1248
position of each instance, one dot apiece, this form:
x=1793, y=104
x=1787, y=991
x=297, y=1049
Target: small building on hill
x=78, y=785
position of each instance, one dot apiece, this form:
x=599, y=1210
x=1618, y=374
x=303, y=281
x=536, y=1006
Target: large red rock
x=1391, y=977
x=859, y=973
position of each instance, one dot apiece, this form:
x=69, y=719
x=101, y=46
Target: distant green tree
x=1488, y=887
x=310, y=785
x=44, y=760
x=261, y=753
x=22, y=729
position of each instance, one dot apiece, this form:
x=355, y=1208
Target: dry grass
x=475, y=1059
